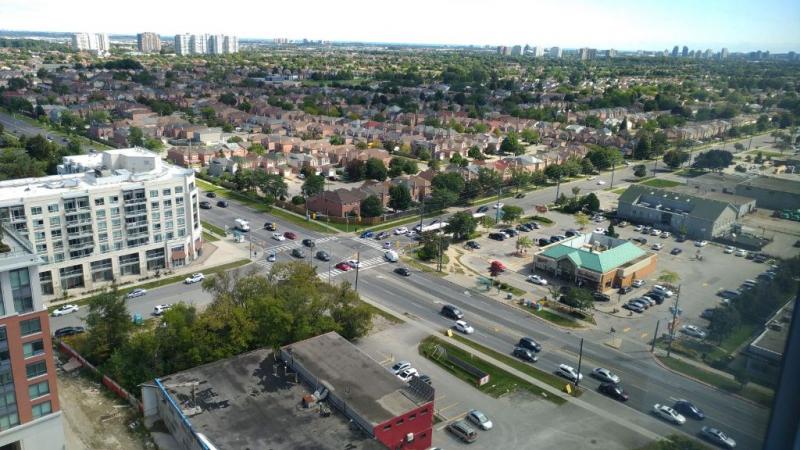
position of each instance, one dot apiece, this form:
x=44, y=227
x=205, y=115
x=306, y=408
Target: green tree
x=355, y=170
x=371, y=207
x=591, y=202
x=738, y=146
x=530, y=136
x=399, y=197
x=714, y=160
x=256, y=149
x=578, y=298
x=674, y=158
x=554, y=172
x=474, y=152
x=228, y=99
x=375, y=169
x=135, y=137
x=511, y=144
x=611, y=232
x=273, y=185
x=442, y=198
x=581, y=220
x=336, y=140
x=16, y=163
x=669, y=277
x=523, y=244
x=108, y=324
x=154, y=144
x=723, y=322
x=604, y=157
x=313, y=185
x=451, y=181
x=587, y=166
x=461, y=225
x=639, y=170
x=511, y=213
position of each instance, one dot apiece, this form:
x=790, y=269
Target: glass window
x=52, y=208
x=156, y=216
x=41, y=409
x=180, y=211
x=153, y=192
x=36, y=210
x=38, y=223
x=100, y=213
x=55, y=221
x=167, y=214
x=115, y=211
x=46, y=281
x=169, y=225
x=114, y=199
x=8, y=399
x=33, y=348
x=179, y=189
x=167, y=192
x=21, y=290
x=55, y=234
x=116, y=223
x=36, y=369
x=99, y=201
x=155, y=206
x=58, y=257
x=179, y=201
x=40, y=236
x=102, y=225
x=167, y=203
x=38, y=389
x=41, y=248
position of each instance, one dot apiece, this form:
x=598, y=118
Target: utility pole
x=358, y=265
x=674, y=319
x=497, y=205
x=558, y=186
x=421, y=213
x=655, y=336
x=330, y=258
x=580, y=360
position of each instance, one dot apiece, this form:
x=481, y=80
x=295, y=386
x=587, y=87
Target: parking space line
x=644, y=335
x=626, y=329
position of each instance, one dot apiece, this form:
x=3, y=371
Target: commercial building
x=30, y=416
x=148, y=42
x=319, y=393
x=768, y=192
x=204, y=44
x=95, y=42
x=595, y=261
x=117, y=216
x=555, y=52
x=695, y=216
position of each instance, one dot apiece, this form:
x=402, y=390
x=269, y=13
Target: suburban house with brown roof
x=337, y=203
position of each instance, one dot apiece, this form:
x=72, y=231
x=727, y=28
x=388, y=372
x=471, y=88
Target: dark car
x=542, y=242
x=676, y=251
x=452, y=312
x=640, y=240
x=205, y=205
x=297, y=253
x=524, y=354
x=600, y=297
x=323, y=256
x=533, y=225
x=529, y=344
x=367, y=234
x=309, y=243
x=510, y=231
x=614, y=391
x=222, y=203
x=210, y=194
x=426, y=379
x=688, y=409
x=522, y=227
x=571, y=233
x=382, y=235
x=290, y=235
x=483, y=209
x=403, y=271
x=520, y=195
x=497, y=236
x=68, y=331
x=270, y=226
x=473, y=245
x=624, y=290
x=658, y=296
x=729, y=294
x=680, y=238
x=707, y=313
x=633, y=307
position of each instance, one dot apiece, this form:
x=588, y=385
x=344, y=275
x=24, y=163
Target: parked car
x=64, y=310
x=601, y=297
x=425, y=379
x=452, y=312
x=717, y=437
x=689, y=409
x=195, y=278
x=161, y=309
x=655, y=232
x=211, y=194
x=600, y=230
x=524, y=354
x=136, y=293
x=463, y=431
x=633, y=307
x=537, y=279
x=729, y=294
x=463, y=327
x=657, y=246
x=638, y=228
x=641, y=303
x=707, y=313
x=742, y=252
x=640, y=240
x=605, y=375
x=675, y=251
x=343, y=266
x=543, y=241
x=68, y=331
x=663, y=290
x=700, y=243
x=668, y=414
x=614, y=391
x=665, y=234
x=205, y=205
x=624, y=290
x=729, y=249
x=309, y=243
x=658, y=296
x=473, y=245
x=650, y=300
x=223, y=203
x=407, y=374
x=533, y=225
x=278, y=237
x=297, y=253
x=479, y=419
x=530, y=344
x=510, y=232
x=497, y=236
x=401, y=230
x=637, y=283
x=403, y=271
x=569, y=373
x=693, y=331
x=290, y=235
x=400, y=365
x=680, y=238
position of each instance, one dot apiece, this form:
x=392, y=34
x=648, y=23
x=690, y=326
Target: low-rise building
x=765, y=354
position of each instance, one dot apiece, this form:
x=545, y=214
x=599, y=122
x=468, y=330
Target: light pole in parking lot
x=358, y=265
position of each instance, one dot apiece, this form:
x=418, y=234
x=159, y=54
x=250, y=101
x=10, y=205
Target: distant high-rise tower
x=555, y=52
x=538, y=51
x=685, y=51
x=148, y=42
x=182, y=44
x=516, y=50
x=708, y=53
x=611, y=53
x=97, y=42
x=675, y=51
x=584, y=54
x=723, y=53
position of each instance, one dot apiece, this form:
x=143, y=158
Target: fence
x=112, y=385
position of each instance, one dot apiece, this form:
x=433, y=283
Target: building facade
x=109, y=217
x=148, y=42
x=96, y=42
x=205, y=44
x=30, y=415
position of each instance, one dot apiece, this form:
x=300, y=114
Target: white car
x=161, y=309
x=657, y=246
x=729, y=249
x=663, y=290
x=665, y=234
x=464, y=327
x=700, y=243
x=637, y=283
x=592, y=178
x=638, y=228
x=407, y=374
x=400, y=365
x=65, y=309
x=353, y=263
x=479, y=419
x=600, y=230
x=498, y=205
x=669, y=414
x=278, y=237
x=136, y=293
x=605, y=375
x=401, y=230
x=569, y=373
x=195, y=278
x=536, y=279
x=601, y=182
x=693, y=331
x=655, y=232
x=271, y=257
x=741, y=252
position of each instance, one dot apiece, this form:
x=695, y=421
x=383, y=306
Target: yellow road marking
x=626, y=329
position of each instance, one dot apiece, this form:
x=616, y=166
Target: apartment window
x=71, y=277
x=116, y=223
x=102, y=237
x=99, y=201
x=167, y=203
x=100, y=213
x=180, y=211
x=181, y=232
x=157, y=238
x=55, y=234
x=114, y=199
x=117, y=234
x=169, y=236
x=38, y=390
x=58, y=257
x=33, y=348
x=30, y=326
x=181, y=221
x=2, y=313
x=179, y=201
x=168, y=214
x=104, y=248
x=153, y=192
x=167, y=192
x=169, y=225
x=155, y=206
x=36, y=210
x=46, y=281
x=129, y=264
x=21, y=290
x=156, y=227
x=41, y=248
x=102, y=225
x=36, y=369
x=191, y=186
x=118, y=245
x=8, y=400
x=102, y=270
x=9, y=420
x=55, y=221
x=156, y=216
x=58, y=245
x=115, y=211
x=155, y=259
x=41, y=409
x=52, y=208
x=40, y=236
x=179, y=189
x=38, y=224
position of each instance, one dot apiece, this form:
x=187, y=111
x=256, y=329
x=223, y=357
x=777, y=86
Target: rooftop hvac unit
x=409, y=437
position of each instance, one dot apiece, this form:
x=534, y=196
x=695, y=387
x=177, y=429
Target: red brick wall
x=419, y=421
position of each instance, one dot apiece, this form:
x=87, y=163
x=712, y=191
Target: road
x=19, y=127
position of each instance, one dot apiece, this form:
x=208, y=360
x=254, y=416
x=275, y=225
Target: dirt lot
x=93, y=420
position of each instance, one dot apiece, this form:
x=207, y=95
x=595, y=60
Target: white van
x=391, y=256
x=242, y=225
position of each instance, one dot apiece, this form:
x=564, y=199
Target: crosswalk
x=285, y=247
x=377, y=245
x=365, y=264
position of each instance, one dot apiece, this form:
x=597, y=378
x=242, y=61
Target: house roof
x=595, y=261
x=699, y=207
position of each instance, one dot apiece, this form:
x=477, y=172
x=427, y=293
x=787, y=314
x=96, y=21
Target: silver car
x=605, y=375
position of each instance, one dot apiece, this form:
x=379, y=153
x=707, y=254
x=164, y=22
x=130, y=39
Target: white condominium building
x=114, y=216
x=204, y=44
x=97, y=42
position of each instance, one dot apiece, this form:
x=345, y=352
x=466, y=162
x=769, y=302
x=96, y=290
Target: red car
x=343, y=266
x=290, y=235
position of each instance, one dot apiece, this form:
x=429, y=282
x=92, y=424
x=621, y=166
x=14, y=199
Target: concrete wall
x=44, y=433
x=157, y=402
x=766, y=198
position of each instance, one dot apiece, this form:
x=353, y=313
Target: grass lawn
x=619, y=191
x=386, y=315
x=208, y=237
x=422, y=267
x=500, y=382
x=691, y=173
x=212, y=228
x=660, y=183
x=557, y=319
x=410, y=220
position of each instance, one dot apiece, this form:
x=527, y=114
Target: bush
x=298, y=200
x=541, y=219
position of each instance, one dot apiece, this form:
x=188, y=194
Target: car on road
x=606, y=375
x=136, y=293
x=520, y=195
x=479, y=419
x=161, y=309
x=382, y=235
x=211, y=194
x=717, y=437
x=400, y=365
x=498, y=205
x=463, y=327
x=205, y=205
x=740, y=252
x=524, y=354
x=278, y=237
x=323, y=256
x=401, y=230
x=290, y=235
x=223, y=203
x=271, y=257
x=675, y=251
x=452, y=312
x=624, y=290
x=668, y=414
x=600, y=182
x=463, y=431
x=65, y=309
x=407, y=374
x=343, y=266
x=729, y=249
x=537, y=279
x=530, y=344
x=614, y=391
x=637, y=283
x=569, y=373
x=403, y=271
x=657, y=246
x=309, y=243
x=270, y=226
x=482, y=209
x=68, y=331
x=194, y=278
x=473, y=245
x=297, y=253
x=693, y=331
x=353, y=263
x=700, y=243
x=688, y=409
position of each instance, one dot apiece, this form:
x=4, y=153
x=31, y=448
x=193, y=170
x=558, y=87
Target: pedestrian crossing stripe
x=365, y=264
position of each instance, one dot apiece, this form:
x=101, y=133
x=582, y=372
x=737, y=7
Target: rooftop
x=20, y=251
x=774, y=184
x=772, y=341
x=247, y=402
x=674, y=202
x=367, y=387
x=595, y=252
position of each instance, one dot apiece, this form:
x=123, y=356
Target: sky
x=739, y=25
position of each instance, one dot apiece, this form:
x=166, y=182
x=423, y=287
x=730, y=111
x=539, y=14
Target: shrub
x=298, y=200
